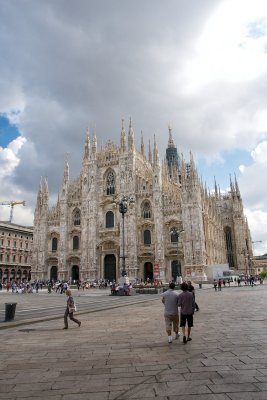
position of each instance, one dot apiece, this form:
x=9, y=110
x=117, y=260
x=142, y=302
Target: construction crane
x=12, y=204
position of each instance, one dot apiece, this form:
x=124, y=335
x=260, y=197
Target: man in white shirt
x=170, y=301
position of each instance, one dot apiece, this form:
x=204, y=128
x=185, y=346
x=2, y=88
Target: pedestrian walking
x=70, y=310
x=170, y=301
x=215, y=285
x=191, y=289
x=186, y=305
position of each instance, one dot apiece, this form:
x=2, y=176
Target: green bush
x=263, y=274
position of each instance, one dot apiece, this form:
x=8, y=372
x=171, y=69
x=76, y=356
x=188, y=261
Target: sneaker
x=65, y=327
x=169, y=339
x=177, y=335
x=79, y=323
x=189, y=339
x=184, y=340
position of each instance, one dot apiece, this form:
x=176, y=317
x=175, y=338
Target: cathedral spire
x=149, y=153
x=40, y=194
x=94, y=146
x=170, y=142
x=172, y=157
x=130, y=136
x=215, y=187
x=123, y=137
x=66, y=172
x=232, y=189
x=192, y=166
x=142, y=145
x=45, y=192
x=237, y=187
x=87, y=146
x=155, y=154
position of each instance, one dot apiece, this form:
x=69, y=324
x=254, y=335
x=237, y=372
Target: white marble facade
x=80, y=237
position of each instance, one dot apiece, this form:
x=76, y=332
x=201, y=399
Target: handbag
x=72, y=309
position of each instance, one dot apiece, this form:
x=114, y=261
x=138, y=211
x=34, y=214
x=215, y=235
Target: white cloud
x=257, y=221
x=9, y=163
x=9, y=159
x=251, y=181
x=200, y=66
x=259, y=154
x=229, y=48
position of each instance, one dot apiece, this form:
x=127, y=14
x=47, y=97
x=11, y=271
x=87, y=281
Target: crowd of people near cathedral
x=237, y=281
x=60, y=286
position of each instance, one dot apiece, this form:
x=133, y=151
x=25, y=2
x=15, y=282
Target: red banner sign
x=156, y=271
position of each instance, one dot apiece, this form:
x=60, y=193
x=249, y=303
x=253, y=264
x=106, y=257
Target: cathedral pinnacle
x=130, y=136
x=170, y=142
x=87, y=145
x=45, y=192
x=142, y=144
x=155, y=153
x=149, y=153
x=66, y=172
x=94, y=146
x=237, y=187
x=215, y=188
x=123, y=136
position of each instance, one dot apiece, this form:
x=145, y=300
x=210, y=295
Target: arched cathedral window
x=76, y=217
x=146, y=211
x=110, y=183
x=76, y=243
x=229, y=246
x=54, y=244
x=147, y=237
x=109, y=219
x=174, y=236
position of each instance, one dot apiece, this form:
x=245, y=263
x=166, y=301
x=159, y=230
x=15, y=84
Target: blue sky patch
x=257, y=29
x=8, y=132
x=222, y=171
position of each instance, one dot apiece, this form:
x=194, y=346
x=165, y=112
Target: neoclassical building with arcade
x=15, y=252
x=173, y=226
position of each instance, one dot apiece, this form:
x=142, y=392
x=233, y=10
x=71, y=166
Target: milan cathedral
x=129, y=214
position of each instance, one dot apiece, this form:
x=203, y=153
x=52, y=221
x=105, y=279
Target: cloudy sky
x=200, y=66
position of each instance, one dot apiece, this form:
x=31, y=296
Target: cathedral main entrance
x=176, y=270
x=148, y=271
x=53, y=273
x=75, y=273
x=110, y=267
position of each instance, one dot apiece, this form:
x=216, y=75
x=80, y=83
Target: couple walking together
x=183, y=304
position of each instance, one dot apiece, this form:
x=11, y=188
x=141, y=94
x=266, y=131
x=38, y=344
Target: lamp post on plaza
x=175, y=234
x=123, y=208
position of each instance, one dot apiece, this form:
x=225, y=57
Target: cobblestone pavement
x=41, y=306
x=123, y=354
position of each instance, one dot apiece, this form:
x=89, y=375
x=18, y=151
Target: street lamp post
x=123, y=208
x=175, y=234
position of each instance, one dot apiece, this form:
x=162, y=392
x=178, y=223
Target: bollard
x=10, y=311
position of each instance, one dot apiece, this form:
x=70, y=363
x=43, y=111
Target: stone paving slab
x=123, y=354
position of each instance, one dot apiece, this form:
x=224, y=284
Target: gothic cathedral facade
x=172, y=226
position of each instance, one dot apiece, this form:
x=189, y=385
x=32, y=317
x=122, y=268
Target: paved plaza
x=122, y=353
